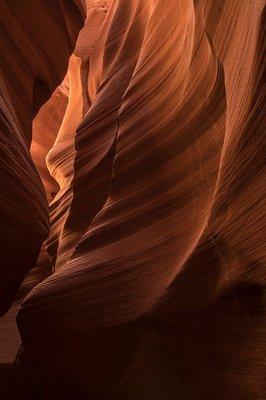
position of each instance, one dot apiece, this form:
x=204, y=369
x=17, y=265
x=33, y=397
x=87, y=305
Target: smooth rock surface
x=150, y=149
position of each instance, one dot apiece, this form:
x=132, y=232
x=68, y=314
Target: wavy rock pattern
x=154, y=151
x=29, y=73
x=141, y=174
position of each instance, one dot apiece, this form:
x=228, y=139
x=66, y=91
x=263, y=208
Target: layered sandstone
x=150, y=152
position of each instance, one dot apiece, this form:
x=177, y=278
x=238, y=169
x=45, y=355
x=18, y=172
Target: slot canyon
x=132, y=187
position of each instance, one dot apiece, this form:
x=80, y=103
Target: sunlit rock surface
x=33, y=62
x=149, y=146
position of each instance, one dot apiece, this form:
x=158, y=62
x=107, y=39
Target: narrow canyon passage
x=131, y=198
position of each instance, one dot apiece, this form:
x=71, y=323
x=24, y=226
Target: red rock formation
x=156, y=236
x=32, y=64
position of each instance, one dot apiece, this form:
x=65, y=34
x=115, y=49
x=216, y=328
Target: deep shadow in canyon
x=131, y=195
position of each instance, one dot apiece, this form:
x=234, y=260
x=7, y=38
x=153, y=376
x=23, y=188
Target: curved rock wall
x=32, y=64
x=155, y=163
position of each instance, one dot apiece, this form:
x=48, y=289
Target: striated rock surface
x=32, y=64
x=151, y=155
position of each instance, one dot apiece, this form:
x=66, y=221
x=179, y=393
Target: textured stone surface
x=33, y=61
x=150, y=152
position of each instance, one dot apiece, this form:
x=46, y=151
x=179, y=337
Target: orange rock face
x=149, y=146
